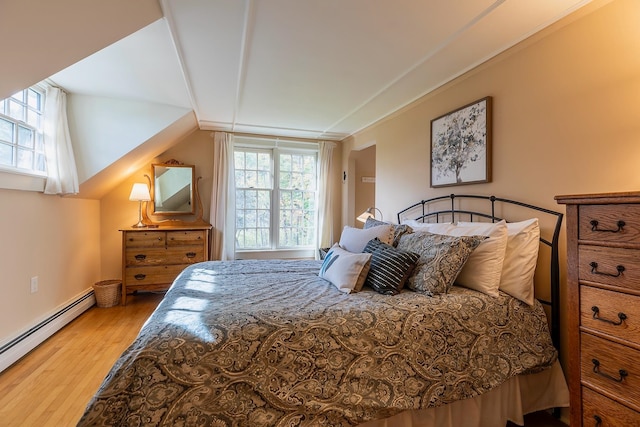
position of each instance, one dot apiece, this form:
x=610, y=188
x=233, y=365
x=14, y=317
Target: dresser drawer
x=611, y=367
x=610, y=413
x=186, y=237
x=611, y=266
x=137, y=239
x=605, y=223
x=145, y=256
x=152, y=275
x=617, y=314
x=186, y=254
x=161, y=256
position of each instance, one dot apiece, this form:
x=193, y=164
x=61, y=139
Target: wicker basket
x=107, y=292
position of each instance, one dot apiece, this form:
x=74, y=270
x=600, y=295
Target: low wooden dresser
x=603, y=296
x=153, y=257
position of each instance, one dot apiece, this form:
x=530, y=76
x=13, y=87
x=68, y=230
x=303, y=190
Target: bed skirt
x=520, y=395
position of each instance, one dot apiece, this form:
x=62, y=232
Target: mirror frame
x=192, y=197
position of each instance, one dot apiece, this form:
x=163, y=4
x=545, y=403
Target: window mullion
x=275, y=199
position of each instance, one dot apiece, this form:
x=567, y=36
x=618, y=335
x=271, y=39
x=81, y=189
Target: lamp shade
x=364, y=216
x=370, y=212
x=140, y=193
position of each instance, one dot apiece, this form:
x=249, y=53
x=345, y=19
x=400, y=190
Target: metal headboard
x=454, y=213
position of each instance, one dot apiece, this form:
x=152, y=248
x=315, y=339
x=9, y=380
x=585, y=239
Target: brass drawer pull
x=140, y=257
x=140, y=276
x=594, y=227
x=596, y=313
x=191, y=254
x=598, y=421
x=596, y=369
x=594, y=270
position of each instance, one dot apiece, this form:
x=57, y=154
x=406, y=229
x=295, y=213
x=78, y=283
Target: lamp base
x=139, y=224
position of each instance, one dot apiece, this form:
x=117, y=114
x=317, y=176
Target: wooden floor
x=52, y=385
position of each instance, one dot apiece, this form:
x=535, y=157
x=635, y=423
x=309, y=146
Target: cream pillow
x=521, y=258
x=355, y=239
x=345, y=270
x=483, y=269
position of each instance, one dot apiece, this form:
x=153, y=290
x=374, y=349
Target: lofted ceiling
x=320, y=69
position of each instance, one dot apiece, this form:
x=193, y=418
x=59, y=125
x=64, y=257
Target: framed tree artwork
x=461, y=145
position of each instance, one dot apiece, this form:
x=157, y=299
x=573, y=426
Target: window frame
x=276, y=149
x=14, y=178
x=37, y=132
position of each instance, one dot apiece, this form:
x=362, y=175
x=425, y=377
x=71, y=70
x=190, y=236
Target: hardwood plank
x=51, y=385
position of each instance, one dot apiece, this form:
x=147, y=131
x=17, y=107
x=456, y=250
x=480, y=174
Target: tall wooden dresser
x=153, y=257
x=603, y=299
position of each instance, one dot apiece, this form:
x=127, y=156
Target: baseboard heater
x=18, y=347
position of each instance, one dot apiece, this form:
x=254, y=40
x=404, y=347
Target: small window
x=21, y=131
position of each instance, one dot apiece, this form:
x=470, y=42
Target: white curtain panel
x=325, y=217
x=223, y=214
x=62, y=175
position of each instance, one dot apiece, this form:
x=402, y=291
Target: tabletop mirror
x=173, y=189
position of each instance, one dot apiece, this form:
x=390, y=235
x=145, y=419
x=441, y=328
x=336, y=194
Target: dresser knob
x=594, y=227
x=596, y=315
x=594, y=270
x=140, y=276
x=140, y=257
x=191, y=254
x=596, y=368
x=598, y=421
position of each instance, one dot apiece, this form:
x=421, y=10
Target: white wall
x=105, y=129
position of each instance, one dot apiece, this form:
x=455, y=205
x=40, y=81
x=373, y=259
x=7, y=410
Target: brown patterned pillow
x=441, y=259
x=398, y=230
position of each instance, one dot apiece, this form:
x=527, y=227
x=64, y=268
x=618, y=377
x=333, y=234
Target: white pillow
x=431, y=227
x=483, y=269
x=345, y=270
x=521, y=257
x=355, y=239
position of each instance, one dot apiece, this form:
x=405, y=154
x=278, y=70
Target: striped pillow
x=389, y=268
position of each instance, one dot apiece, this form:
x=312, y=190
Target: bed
x=272, y=343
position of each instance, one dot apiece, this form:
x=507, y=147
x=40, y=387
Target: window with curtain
x=36, y=153
x=22, y=131
x=276, y=198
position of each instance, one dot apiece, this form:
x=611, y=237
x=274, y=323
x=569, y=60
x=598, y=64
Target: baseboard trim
x=19, y=346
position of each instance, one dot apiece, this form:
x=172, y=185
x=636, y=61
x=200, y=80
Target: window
x=21, y=131
x=276, y=193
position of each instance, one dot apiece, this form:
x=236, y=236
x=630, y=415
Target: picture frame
x=461, y=143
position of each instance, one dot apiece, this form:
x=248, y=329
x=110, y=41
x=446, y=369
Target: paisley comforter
x=269, y=343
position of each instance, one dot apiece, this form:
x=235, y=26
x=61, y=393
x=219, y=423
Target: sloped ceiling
x=43, y=37
x=319, y=69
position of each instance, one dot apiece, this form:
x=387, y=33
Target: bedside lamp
x=139, y=193
x=370, y=212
